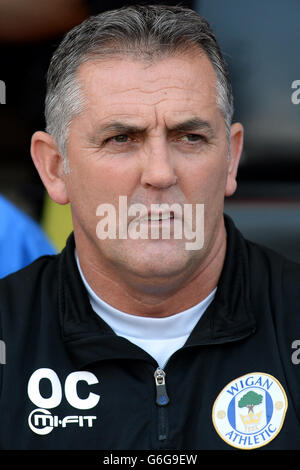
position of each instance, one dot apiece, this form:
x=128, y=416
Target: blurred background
x=260, y=41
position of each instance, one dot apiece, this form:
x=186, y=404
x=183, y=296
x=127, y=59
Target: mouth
x=158, y=217
x=155, y=224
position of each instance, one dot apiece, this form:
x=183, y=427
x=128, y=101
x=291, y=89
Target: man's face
x=151, y=132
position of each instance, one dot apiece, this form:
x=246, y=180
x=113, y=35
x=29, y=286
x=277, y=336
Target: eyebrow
x=193, y=124
x=115, y=127
x=189, y=125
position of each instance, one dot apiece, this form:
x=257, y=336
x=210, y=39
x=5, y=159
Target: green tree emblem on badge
x=250, y=400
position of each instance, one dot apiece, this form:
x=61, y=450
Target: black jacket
x=69, y=382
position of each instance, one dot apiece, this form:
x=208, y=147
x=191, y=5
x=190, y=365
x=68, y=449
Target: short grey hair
x=145, y=32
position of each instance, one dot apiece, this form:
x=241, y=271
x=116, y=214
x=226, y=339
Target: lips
x=157, y=216
x=154, y=217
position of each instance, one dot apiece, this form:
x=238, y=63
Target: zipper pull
x=162, y=398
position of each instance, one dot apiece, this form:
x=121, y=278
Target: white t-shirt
x=159, y=337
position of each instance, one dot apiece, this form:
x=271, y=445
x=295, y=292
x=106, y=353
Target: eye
x=119, y=139
x=190, y=138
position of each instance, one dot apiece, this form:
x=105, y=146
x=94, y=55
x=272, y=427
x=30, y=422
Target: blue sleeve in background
x=22, y=240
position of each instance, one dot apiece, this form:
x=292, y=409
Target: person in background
x=21, y=239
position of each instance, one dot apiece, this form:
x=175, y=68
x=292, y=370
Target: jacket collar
x=229, y=317
x=89, y=339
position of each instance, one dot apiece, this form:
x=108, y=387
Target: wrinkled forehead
x=175, y=81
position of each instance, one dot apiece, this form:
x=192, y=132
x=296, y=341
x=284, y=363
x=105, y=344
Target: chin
x=158, y=264
x=153, y=260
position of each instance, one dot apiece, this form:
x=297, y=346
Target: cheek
x=93, y=182
x=206, y=183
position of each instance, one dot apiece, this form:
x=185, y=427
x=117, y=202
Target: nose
x=158, y=168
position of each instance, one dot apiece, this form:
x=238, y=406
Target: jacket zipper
x=162, y=401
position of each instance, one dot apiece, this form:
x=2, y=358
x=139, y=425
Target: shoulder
x=261, y=262
x=270, y=277
x=274, y=282
x=276, y=265
x=38, y=284
x=23, y=288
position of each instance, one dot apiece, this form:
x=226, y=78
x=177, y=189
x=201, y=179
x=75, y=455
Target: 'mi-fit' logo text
x=41, y=421
x=249, y=412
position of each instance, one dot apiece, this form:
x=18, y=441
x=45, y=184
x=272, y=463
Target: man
x=130, y=339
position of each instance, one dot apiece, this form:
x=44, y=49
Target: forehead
x=169, y=85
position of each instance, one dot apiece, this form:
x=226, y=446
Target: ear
x=49, y=164
x=236, y=147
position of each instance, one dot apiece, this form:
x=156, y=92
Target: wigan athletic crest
x=249, y=412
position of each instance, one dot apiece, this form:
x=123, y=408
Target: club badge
x=249, y=412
